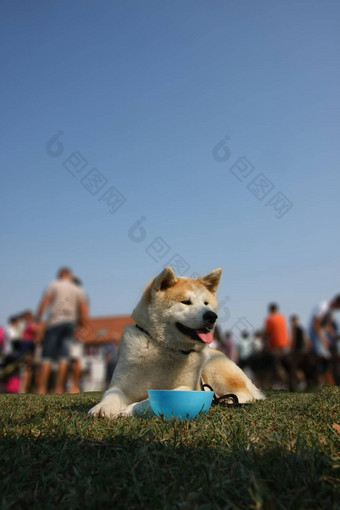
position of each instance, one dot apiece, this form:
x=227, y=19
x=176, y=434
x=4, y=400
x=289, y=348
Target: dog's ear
x=166, y=279
x=212, y=279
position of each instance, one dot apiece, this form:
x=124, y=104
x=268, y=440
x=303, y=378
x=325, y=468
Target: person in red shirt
x=276, y=330
x=277, y=341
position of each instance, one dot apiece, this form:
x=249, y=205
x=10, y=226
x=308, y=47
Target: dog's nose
x=210, y=317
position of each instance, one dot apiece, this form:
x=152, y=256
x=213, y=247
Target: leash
x=224, y=400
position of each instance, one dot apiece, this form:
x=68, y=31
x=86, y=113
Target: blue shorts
x=26, y=346
x=56, y=342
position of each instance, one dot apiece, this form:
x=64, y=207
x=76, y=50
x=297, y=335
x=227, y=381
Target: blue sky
x=143, y=93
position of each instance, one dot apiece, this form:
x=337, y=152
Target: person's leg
x=75, y=377
x=27, y=374
x=44, y=375
x=49, y=346
x=66, y=334
x=23, y=369
x=288, y=367
x=329, y=378
x=279, y=371
x=328, y=374
x=76, y=355
x=61, y=376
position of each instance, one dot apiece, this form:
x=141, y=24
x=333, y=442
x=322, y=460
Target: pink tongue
x=205, y=336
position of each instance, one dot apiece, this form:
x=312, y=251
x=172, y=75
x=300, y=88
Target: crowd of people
x=277, y=356
x=286, y=355
x=30, y=349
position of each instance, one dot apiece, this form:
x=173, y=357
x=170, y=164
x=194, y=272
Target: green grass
x=282, y=453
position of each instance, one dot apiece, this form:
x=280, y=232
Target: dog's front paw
x=128, y=411
x=142, y=408
x=112, y=404
x=104, y=410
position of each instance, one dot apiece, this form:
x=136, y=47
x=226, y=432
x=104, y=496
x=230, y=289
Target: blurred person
x=28, y=335
x=230, y=348
x=77, y=349
x=278, y=343
x=2, y=341
x=27, y=346
x=262, y=362
x=76, y=361
x=217, y=340
x=322, y=334
x=66, y=305
x=245, y=348
x=332, y=332
x=21, y=324
x=276, y=330
x=12, y=355
x=336, y=352
x=110, y=353
x=301, y=361
x=258, y=341
x=13, y=335
x=299, y=339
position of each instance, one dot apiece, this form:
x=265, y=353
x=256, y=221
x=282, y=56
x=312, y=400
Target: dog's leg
x=112, y=404
x=224, y=376
x=142, y=408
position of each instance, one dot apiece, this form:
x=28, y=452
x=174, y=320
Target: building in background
x=101, y=338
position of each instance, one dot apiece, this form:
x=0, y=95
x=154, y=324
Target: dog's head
x=179, y=310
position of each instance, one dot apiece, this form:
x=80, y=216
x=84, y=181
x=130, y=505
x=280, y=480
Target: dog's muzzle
x=210, y=318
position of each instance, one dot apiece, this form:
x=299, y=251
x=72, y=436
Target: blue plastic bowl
x=180, y=404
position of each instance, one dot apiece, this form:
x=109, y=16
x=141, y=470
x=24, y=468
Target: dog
x=168, y=348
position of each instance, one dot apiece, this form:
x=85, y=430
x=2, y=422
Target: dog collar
x=138, y=327
x=187, y=352
x=183, y=352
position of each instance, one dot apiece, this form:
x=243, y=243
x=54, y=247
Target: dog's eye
x=206, y=302
x=186, y=302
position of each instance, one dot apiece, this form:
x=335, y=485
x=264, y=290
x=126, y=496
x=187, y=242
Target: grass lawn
x=282, y=453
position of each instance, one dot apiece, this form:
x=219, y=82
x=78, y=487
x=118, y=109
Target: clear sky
x=215, y=124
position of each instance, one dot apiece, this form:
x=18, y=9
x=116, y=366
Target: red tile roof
x=105, y=329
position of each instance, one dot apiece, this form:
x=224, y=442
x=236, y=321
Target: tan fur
x=179, y=291
x=165, y=357
x=147, y=293
x=226, y=377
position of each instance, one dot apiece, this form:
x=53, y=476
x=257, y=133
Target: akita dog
x=168, y=348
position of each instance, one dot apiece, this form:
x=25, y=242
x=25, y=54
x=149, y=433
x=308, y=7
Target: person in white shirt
x=13, y=335
x=319, y=324
x=67, y=307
